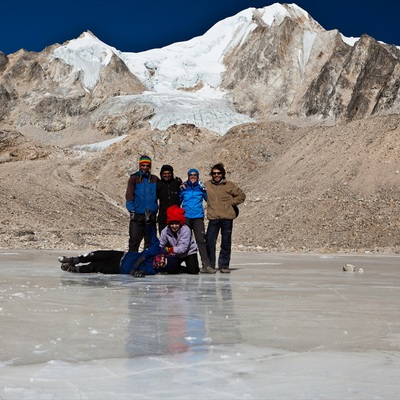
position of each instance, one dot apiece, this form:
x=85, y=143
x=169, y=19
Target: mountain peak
x=275, y=61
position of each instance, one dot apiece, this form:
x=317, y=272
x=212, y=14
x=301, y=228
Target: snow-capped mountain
x=276, y=61
x=184, y=65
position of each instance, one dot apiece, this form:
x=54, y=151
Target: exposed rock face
x=37, y=89
x=118, y=116
x=115, y=80
x=265, y=73
x=289, y=69
x=364, y=82
x=16, y=147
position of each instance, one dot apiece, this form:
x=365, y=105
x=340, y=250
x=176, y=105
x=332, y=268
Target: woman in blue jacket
x=192, y=195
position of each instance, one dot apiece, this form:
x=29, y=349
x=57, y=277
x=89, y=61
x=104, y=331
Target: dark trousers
x=138, y=232
x=213, y=229
x=198, y=228
x=191, y=264
x=103, y=261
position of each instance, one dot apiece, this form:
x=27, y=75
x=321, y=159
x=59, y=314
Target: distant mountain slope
x=306, y=121
x=321, y=189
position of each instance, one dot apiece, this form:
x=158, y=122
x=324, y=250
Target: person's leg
x=173, y=265
x=189, y=222
x=99, y=255
x=105, y=261
x=101, y=261
x=211, y=240
x=136, y=233
x=200, y=237
x=192, y=264
x=152, y=221
x=226, y=244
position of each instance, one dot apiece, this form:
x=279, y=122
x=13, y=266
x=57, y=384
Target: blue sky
x=134, y=26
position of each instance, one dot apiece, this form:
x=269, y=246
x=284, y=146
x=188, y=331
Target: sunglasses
x=192, y=174
x=174, y=223
x=216, y=173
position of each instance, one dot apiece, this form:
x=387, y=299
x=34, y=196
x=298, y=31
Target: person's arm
x=130, y=194
x=165, y=246
x=182, y=192
x=238, y=196
x=163, y=238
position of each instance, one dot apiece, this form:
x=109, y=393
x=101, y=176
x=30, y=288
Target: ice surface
x=278, y=327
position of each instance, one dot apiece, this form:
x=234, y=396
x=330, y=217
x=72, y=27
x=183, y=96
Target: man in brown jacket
x=223, y=197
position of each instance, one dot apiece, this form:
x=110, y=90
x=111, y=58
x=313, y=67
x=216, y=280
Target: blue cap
x=193, y=171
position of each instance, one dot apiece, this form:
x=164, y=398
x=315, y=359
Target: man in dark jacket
x=141, y=202
x=167, y=193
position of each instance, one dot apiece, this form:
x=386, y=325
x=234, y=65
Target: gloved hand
x=147, y=216
x=170, y=250
x=132, y=215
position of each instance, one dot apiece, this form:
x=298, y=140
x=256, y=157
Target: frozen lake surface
x=278, y=327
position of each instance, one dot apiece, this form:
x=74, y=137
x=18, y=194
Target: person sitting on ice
x=176, y=239
x=150, y=261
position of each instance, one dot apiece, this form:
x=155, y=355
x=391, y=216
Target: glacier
x=183, y=80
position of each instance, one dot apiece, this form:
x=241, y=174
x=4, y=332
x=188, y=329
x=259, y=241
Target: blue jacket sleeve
x=130, y=206
x=154, y=247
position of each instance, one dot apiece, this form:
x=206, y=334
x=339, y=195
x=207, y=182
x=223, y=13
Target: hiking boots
x=69, y=267
x=66, y=260
x=208, y=270
x=69, y=260
x=225, y=270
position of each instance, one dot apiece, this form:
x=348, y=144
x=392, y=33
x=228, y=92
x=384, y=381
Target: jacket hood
x=169, y=168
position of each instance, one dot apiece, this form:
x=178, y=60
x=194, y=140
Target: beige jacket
x=220, y=199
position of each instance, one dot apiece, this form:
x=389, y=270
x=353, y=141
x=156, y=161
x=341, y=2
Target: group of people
x=177, y=208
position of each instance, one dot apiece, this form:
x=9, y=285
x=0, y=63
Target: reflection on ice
x=278, y=327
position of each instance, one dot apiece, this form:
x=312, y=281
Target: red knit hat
x=175, y=213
